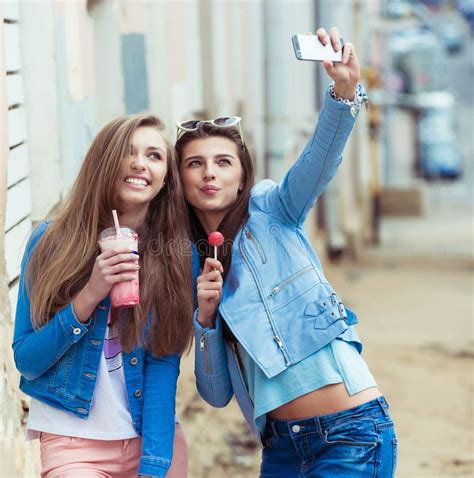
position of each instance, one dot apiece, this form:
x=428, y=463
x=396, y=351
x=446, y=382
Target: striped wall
x=18, y=205
x=16, y=458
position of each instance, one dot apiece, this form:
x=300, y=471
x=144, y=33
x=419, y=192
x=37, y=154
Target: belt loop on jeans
x=273, y=428
x=318, y=425
x=383, y=405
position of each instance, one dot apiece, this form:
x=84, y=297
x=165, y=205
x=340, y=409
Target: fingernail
x=138, y=267
x=136, y=253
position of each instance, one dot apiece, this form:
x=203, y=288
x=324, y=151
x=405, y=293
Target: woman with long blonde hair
x=103, y=380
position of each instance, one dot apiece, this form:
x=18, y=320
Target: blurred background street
x=394, y=229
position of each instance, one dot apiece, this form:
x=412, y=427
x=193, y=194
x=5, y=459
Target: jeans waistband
x=319, y=423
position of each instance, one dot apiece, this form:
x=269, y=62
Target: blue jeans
x=355, y=443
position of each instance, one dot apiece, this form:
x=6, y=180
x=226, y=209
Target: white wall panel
x=18, y=203
x=15, y=92
x=11, y=9
x=16, y=126
x=12, y=46
x=17, y=166
x=15, y=242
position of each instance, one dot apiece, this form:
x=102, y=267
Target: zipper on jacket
x=205, y=351
x=257, y=245
x=277, y=289
x=272, y=325
x=282, y=349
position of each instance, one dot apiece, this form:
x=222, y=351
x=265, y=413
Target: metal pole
x=275, y=88
x=336, y=241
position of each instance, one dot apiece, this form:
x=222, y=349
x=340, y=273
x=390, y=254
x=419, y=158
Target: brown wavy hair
x=64, y=257
x=237, y=215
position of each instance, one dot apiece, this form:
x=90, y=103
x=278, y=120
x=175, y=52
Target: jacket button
x=76, y=330
x=248, y=234
x=138, y=393
x=82, y=411
x=134, y=360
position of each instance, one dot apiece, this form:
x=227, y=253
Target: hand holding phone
x=342, y=66
x=309, y=47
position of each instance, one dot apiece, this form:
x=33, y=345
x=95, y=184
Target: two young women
x=102, y=380
x=269, y=327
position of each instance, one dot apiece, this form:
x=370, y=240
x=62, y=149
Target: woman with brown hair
x=269, y=327
x=103, y=380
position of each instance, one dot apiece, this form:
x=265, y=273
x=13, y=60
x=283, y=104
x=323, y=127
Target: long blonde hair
x=64, y=257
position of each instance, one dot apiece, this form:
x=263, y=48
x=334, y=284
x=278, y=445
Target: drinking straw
x=116, y=222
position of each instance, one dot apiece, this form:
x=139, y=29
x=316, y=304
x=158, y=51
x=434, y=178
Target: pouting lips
x=137, y=181
x=211, y=189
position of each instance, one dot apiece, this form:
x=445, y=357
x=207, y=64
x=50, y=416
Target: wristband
x=359, y=99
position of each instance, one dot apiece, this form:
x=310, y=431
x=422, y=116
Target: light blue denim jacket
x=276, y=299
x=59, y=362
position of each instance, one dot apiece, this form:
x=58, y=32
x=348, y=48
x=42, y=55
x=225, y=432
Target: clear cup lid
x=111, y=233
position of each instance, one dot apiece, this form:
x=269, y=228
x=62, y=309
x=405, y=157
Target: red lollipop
x=215, y=239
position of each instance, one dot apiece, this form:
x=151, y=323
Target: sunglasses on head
x=223, y=122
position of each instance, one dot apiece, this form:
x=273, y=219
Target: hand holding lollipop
x=209, y=284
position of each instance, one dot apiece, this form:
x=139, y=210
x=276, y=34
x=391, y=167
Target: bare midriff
x=324, y=401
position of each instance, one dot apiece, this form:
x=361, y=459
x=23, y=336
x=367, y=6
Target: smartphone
x=308, y=47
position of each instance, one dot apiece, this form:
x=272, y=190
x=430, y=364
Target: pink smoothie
x=127, y=293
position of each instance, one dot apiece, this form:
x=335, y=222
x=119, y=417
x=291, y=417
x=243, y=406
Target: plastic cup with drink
x=126, y=293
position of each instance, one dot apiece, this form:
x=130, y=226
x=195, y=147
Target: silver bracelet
x=359, y=99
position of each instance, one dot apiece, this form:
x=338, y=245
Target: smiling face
x=142, y=172
x=212, y=177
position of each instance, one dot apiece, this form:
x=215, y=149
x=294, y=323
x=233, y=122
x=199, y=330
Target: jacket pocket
x=62, y=371
x=292, y=287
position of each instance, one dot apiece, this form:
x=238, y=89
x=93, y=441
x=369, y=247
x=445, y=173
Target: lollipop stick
x=215, y=253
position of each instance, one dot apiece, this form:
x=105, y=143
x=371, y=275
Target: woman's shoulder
x=37, y=233
x=264, y=197
x=262, y=187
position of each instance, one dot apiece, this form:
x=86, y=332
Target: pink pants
x=71, y=457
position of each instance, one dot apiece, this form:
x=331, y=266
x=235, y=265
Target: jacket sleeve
x=212, y=375
x=308, y=177
x=159, y=403
x=37, y=350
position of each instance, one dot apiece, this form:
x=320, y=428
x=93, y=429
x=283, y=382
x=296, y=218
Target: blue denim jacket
x=276, y=299
x=59, y=363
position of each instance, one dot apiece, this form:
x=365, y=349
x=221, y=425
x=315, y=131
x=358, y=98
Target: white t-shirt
x=109, y=417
